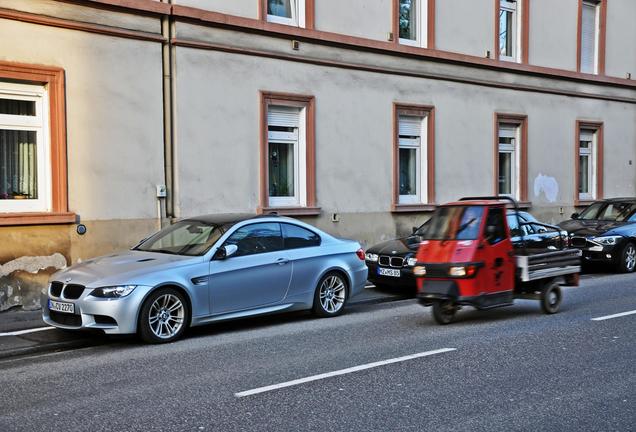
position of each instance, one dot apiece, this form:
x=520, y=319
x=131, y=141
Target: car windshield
x=183, y=238
x=454, y=223
x=611, y=211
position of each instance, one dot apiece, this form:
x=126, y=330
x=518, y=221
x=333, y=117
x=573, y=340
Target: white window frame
x=509, y=130
x=421, y=23
x=515, y=9
x=297, y=11
x=590, y=152
x=597, y=31
x=40, y=125
x=420, y=144
x=298, y=140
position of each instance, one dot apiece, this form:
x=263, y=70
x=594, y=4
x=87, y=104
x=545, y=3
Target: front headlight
x=411, y=261
x=607, y=240
x=371, y=257
x=114, y=291
x=419, y=271
x=459, y=271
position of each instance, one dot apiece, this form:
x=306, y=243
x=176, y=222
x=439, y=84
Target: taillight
x=360, y=253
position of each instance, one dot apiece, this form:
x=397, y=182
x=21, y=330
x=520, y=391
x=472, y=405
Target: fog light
x=608, y=256
x=419, y=271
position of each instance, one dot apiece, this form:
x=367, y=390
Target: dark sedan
x=391, y=263
x=606, y=233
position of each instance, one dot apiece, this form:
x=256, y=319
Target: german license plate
x=61, y=306
x=388, y=272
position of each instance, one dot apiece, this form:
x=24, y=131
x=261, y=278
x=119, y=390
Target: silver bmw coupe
x=207, y=269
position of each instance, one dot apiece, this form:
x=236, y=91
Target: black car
x=391, y=263
x=606, y=233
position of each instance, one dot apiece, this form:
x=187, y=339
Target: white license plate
x=61, y=306
x=388, y=272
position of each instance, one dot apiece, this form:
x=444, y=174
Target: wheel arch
x=172, y=285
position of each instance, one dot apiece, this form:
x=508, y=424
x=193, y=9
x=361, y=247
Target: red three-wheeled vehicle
x=466, y=258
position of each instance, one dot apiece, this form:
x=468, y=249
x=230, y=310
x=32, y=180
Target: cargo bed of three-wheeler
x=466, y=258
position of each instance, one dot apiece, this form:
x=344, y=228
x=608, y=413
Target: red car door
x=499, y=265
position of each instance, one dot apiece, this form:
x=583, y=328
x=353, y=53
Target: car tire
x=551, y=297
x=164, y=316
x=627, y=258
x=331, y=295
x=444, y=311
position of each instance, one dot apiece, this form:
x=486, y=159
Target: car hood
x=127, y=267
x=593, y=228
x=401, y=246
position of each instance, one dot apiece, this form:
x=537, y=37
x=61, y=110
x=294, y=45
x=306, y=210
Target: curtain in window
x=18, y=164
x=408, y=19
x=281, y=8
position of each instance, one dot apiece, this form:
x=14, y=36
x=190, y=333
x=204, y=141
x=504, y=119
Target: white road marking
x=21, y=332
x=340, y=372
x=618, y=315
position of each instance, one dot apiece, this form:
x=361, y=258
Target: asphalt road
x=510, y=369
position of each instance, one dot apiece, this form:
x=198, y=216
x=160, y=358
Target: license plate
x=388, y=272
x=61, y=306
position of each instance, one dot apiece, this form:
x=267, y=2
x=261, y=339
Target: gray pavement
x=513, y=369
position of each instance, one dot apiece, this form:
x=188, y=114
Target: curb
x=46, y=348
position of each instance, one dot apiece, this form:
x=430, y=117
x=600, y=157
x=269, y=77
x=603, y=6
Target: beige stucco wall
x=244, y=8
x=362, y=18
x=620, y=54
x=553, y=28
x=465, y=26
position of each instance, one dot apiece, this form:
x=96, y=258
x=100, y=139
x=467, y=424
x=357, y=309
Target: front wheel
x=331, y=295
x=627, y=258
x=444, y=311
x=164, y=316
x=551, y=298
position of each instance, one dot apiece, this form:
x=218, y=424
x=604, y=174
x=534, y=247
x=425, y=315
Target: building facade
x=357, y=116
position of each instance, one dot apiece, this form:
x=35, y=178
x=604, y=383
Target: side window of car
x=513, y=224
x=257, y=238
x=297, y=237
x=495, y=228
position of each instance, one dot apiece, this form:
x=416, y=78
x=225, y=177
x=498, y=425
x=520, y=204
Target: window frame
x=597, y=162
x=302, y=14
x=305, y=204
x=425, y=199
x=425, y=31
x=599, y=37
x=520, y=179
x=53, y=80
x=521, y=28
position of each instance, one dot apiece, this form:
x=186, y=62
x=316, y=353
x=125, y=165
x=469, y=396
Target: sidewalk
x=24, y=332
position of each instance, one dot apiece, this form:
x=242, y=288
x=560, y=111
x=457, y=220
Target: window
x=495, y=228
x=508, y=30
x=588, y=166
x=414, y=155
x=256, y=238
x=24, y=149
x=589, y=34
x=289, y=12
x=297, y=237
x=511, y=160
x=412, y=22
x=287, y=154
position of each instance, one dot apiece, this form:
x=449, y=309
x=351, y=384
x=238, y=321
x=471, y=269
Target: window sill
x=291, y=211
x=413, y=208
x=43, y=218
x=583, y=203
x=524, y=205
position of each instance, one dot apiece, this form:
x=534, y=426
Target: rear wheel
x=551, y=297
x=444, y=311
x=627, y=259
x=331, y=295
x=164, y=316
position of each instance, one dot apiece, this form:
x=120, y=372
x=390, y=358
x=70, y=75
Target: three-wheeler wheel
x=551, y=297
x=444, y=311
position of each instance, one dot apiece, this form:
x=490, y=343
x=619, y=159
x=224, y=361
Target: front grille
x=578, y=242
x=66, y=319
x=436, y=270
x=384, y=261
x=397, y=262
x=56, y=289
x=391, y=261
x=73, y=292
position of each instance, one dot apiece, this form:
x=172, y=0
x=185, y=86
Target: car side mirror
x=575, y=216
x=225, y=252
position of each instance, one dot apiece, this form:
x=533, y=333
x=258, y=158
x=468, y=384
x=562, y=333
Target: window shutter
x=283, y=116
x=410, y=126
x=588, y=38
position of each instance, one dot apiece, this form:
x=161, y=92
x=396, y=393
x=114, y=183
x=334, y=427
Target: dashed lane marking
x=618, y=315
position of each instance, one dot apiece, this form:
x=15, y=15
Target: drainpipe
x=168, y=28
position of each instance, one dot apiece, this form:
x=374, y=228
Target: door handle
x=282, y=261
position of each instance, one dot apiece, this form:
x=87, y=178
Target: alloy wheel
x=630, y=257
x=166, y=317
x=332, y=294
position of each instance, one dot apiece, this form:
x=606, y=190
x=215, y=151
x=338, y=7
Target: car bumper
x=112, y=316
x=406, y=278
x=600, y=254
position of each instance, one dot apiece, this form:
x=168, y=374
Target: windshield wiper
x=166, y=251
